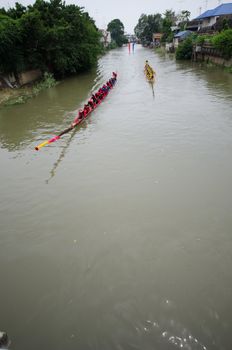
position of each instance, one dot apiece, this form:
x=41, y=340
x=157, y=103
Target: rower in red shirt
x=86, y=110
x=78, y=118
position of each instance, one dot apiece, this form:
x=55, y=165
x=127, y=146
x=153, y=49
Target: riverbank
x=10, y=97
x=207, y=61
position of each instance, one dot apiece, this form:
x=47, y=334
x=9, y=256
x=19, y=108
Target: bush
x=223, y=42
x=201, y=39
x=184, y=50
x=20, y=96
x=112, y=45
x=47, y=82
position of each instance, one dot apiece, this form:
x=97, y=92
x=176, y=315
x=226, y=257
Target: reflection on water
x=62, y=155
x=218, y=80
x=152, y=88
x=66, y=143
x=46, y=114
x=118, y=236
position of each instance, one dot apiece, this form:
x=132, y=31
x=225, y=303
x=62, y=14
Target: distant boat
x=149, y=72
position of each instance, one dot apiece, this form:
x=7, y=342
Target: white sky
x=129, y=11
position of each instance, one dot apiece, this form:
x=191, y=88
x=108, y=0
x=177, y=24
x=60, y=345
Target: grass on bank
x=11, y=97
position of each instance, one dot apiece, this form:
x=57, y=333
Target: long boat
x=149, y=72
x=75, y=123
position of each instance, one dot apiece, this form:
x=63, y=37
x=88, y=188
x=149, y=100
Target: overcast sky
x=129, y=11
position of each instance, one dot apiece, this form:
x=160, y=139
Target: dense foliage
x=223, y=23
x=185, y=49
x=202, y=39
x=183, y=19
x=47, y=35
x=168, y=21
x=116, y=29
x=223, y=42
x=149, y=24
x=146, y=26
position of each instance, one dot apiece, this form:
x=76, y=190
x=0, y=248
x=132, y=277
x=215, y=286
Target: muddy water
x=118, y=236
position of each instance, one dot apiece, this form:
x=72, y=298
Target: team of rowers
x=103, y=91
x=149, y=71
x=95, y=99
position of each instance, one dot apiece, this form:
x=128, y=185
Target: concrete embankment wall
x=29, y=76
x=214, y=59
x=23, y=78
x=208, y=53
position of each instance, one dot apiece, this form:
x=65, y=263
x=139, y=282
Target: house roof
x=183, y=34
x=223, y=9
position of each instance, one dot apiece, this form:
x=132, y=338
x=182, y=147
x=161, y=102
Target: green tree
x=11, y=56
x=223, y=42
x=169, y=20
x=3, y=11
x=16, y=12
x=183, y=18
x=140, y=28
x=48, y=35
x=116, y=29
x=147, y=26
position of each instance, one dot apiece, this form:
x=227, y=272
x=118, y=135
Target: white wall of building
x=208, y=22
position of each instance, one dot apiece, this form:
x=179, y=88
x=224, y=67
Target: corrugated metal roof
x=223, y=9
x=206, y=14
x=182, y=34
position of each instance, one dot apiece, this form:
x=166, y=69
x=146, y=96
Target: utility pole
x=200, y=8
x=206, y=4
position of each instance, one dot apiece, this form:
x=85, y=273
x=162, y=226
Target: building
x=208, y=19
x=181, y=36
x=157, y=38
x=193, y=26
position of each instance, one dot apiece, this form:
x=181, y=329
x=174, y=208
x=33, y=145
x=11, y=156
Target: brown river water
x=119, y=235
